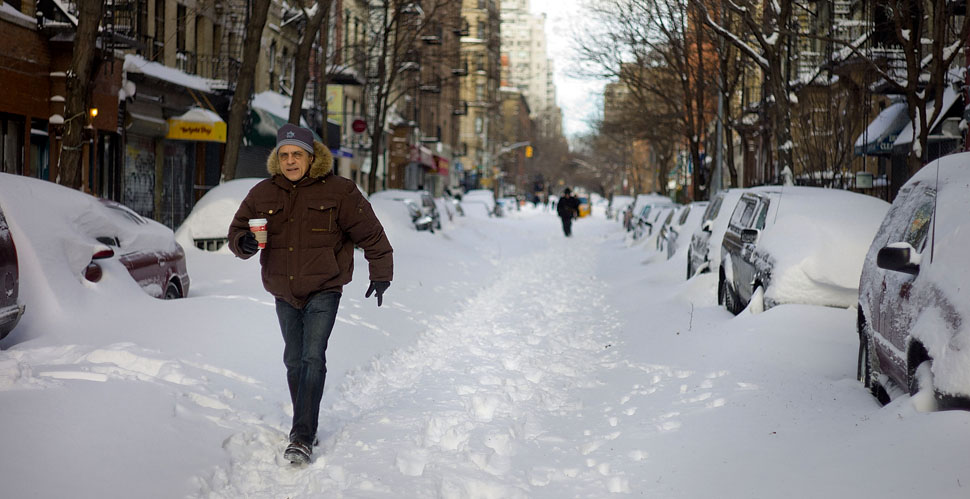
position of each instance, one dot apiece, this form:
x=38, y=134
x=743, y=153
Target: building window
x=155, y=51
x=478, y=124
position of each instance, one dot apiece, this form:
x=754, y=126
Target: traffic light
x=528, y=151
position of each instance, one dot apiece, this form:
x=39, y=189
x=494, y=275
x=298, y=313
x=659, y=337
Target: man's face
x=294, y=161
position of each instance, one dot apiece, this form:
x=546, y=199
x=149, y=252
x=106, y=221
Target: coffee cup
x=258, y=227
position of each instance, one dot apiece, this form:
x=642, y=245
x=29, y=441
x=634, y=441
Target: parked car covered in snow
x=422, y=200
x=787, y=244
x=617, y=206
x=207, y=226
x=704, y=254
x=914, y=301
x=684, y=223
x=420, y=205
x=645, y=213
x=10, y=308
x=478, y=202
x=82, y=232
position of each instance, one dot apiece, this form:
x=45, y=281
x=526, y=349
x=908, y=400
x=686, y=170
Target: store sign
x=196, y=131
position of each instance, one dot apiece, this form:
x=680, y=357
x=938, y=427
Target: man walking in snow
x=568, y=208
x=314, y=220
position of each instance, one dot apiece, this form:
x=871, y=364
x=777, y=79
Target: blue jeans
x=305, y=334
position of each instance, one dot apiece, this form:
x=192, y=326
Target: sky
x=580, y=99
x=507, y=361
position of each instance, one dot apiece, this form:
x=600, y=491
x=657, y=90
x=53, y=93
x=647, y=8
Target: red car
x=70, y=234
x=160, y=272
x=10, y=310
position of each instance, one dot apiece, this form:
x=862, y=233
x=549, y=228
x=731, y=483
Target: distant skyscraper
x=524, y=48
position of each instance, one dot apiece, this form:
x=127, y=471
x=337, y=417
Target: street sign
x=359, y=125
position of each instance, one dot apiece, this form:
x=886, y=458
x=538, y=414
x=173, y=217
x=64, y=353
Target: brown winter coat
x=313, y=227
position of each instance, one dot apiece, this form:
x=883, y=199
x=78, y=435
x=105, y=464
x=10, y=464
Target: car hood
x=815, y=244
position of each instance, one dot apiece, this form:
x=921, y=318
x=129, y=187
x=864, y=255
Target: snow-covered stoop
x=487, y=404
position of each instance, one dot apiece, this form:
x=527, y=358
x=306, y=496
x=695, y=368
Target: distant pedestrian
x=568, y=208
x=314, y=219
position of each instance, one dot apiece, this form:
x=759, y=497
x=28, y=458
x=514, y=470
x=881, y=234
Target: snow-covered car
x=422, y=200
x=478, y=202
x=787, y=244
x=508, y=204
x=651, y=218
x=10, y=308
x=644, y=213
x=914, y=302
x=617, y=205
x=704, y=254
x=420, y=205
x=207, y=226
x=660, y=218
x=81, y=232
x=685, y=222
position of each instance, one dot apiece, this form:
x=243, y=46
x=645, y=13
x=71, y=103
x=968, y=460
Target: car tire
x=864, y=371
x=730, y=299
x=921, y=377
x=172, y=292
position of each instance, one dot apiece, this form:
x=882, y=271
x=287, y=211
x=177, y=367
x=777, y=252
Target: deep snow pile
x=507, y=361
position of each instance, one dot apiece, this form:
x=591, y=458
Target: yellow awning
x=197, y=125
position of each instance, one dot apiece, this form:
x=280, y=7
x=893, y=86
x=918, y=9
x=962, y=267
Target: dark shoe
x=297, y=453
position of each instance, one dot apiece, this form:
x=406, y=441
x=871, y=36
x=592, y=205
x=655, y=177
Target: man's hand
x=378, y=287
x=248, y=244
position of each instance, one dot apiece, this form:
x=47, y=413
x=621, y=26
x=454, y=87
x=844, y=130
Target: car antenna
x=936, y=197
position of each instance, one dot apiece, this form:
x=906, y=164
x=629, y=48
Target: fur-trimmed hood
x=322, y=161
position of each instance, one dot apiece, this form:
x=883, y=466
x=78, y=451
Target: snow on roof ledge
x=199, y=115
x=138, y=64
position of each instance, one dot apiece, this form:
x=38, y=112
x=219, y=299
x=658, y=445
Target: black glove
x=378, y=287
x=248, y=244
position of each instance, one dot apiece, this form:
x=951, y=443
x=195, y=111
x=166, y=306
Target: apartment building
x=480, y=51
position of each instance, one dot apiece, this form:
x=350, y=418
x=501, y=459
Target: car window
x=743, y=213
x=126, y=212
x=683, y=217
x=713, y=208
x=762, y=215
x=919, y=225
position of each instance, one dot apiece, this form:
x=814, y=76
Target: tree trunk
x=79, y=80
x=302, y=74
x=239, y=107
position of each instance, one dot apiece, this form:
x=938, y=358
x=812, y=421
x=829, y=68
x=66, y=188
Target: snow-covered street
x=507, y=361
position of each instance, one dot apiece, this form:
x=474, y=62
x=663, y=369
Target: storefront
x=419, y=169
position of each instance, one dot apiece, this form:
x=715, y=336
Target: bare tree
x=239, y=107
x=315, y=18
x=764, y=36
x=79, y=81
x=929, y=35
x=659, y=51
x=395, y=28
x=824, y=129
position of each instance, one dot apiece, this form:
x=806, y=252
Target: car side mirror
x=708, y=226
x=750, y=236
x=899, y=257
